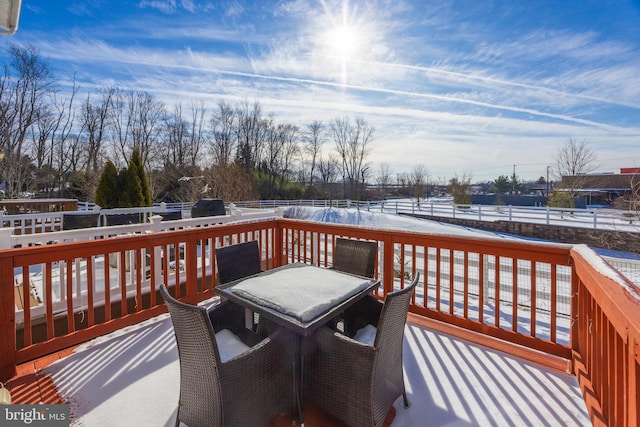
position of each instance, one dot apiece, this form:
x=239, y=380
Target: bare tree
x=460, y=186
x=150, y=112
x=223, y=142
x=352, y=144
x=136, y=118
x=231, y=182
x=419, y=180
x=290, y=135
x=41, y=131
x=24, y=89
x=384, y=178
x=65, y=153
x=94, y=119
x=251, y=134
x=176, y=131
x=574, y=160
x=328, y=170
x=121, y=117
x=315, y=138
x=402, y=181
x=272, y=155
x=197, y=132
x=279, y=152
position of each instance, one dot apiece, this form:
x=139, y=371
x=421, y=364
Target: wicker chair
x=356, y=382
x=246, y=390
x=355, y=256
x=238, y=261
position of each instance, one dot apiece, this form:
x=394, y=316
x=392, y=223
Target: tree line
x=56, y=145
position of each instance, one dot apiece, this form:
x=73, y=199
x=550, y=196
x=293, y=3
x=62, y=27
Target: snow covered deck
x=130, y=377
x=542, y=302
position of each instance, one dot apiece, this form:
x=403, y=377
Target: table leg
x=298, y=369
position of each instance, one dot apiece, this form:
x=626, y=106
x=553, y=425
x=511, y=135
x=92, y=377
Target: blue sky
x=471, y=87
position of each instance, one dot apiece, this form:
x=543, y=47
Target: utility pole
x=547, y=181
x=513, y=181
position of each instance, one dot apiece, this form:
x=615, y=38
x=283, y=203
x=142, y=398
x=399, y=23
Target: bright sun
x=343, y=40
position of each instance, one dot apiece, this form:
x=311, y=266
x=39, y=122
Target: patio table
x=300, y=298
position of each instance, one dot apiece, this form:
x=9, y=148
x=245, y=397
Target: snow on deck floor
x=131, y=377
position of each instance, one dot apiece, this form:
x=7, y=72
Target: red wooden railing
x=606, y=342
x=545, y=301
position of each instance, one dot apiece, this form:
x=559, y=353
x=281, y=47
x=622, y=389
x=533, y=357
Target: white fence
x=594, y=218
x=603, y=219
x=155, y=224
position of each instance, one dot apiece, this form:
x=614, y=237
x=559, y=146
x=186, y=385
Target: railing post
x=155, y=227
x=388, y=267
x=595, y=219
x=5, y=238
x=548, y=215
x=7, y=321
x=479, y=212
x=510, y=213
x=431, y=208
x=632, y=388
x=277, y=244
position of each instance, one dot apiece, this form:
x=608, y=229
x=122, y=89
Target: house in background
x=620, y=190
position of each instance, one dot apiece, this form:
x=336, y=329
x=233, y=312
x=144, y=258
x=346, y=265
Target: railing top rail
x=485, y=243
x=618, y=297
x=601, y=267
x=84, y=248
x=499, y=247
x=93, y=233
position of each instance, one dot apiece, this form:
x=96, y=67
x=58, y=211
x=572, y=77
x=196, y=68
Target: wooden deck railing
x=606, y=341
x=545, y=298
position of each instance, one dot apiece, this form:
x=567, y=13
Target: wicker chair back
x=238, y=261
x=355, y=256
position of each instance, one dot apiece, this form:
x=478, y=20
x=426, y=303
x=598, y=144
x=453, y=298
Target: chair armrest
x=364, y=312
x=339, y=373
x=353, y=354
x=227, y=315
x=273, y=345
x=258, y=378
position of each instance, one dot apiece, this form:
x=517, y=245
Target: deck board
x=449, y=381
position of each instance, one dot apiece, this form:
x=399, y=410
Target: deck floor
x=31, y=385
x=450, y=381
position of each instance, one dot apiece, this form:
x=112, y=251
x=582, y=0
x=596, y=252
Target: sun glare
x=343, y=40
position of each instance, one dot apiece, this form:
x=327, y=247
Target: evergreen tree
x=130, y=195
x=136, y=161
x=125, y=189
x=502, y=184
x=107, y=193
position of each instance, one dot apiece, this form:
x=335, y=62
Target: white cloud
x=459, y=87
x=164, y=6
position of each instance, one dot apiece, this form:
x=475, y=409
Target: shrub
x=125, y=189
x=561, y=200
